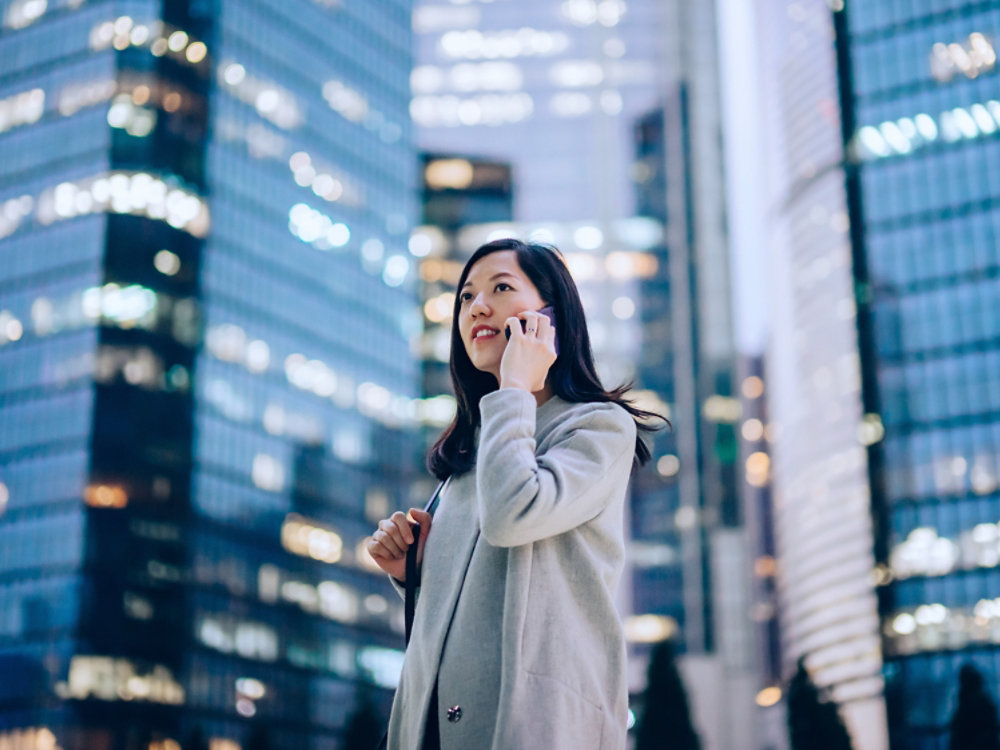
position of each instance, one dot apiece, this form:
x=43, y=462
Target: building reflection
x=206, y=390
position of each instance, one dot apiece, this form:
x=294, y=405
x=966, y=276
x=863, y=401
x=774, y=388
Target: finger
x=424, y=519
x=531, y=322
x=402, y=524
x=391, y=546
x=546, y=331
x=514, y=324
x=379, y=551
x=397, y=527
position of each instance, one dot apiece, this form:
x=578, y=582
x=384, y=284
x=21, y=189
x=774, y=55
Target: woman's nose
x=478, y=306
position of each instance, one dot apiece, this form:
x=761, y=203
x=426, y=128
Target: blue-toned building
x=689, y=544
x=456, y=192
x=920, y=96
x=207, y=394
x=658, y=576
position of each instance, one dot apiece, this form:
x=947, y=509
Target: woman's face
x=496, y=289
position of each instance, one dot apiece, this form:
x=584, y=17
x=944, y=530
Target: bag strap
x=412, y=577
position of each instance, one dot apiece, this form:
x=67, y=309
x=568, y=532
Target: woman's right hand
x=388, y=545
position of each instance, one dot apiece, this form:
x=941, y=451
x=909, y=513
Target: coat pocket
x=551, y=715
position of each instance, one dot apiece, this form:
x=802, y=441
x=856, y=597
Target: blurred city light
x=111, y=679
x=105, y=496
x=769, y=696
x=649, y=628
x=668, y=466
x=303, y=537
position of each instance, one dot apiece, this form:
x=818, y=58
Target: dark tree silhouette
x=974, y=723
x=259, y=738
x=195, y=740
x=364, y=726
x=666, y=719
x=814, y=722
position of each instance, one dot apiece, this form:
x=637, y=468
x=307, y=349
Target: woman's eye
x=502, y=287
x=465, y=296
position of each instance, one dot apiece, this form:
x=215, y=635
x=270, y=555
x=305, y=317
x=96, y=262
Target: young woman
x=516, y=640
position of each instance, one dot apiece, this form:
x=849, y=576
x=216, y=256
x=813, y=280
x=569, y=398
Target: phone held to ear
x=549, y=313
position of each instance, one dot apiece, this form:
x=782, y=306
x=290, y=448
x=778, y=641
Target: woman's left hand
x=529, y=353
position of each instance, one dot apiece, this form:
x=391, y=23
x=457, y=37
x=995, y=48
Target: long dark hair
x=573, y=376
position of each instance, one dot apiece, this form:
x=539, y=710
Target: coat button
x=454, y=714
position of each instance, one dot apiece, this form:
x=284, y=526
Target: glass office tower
x=921, y=109
x=456, y=192
x=828, y=611
x=657, y=576
x=551, y=87
x=687, y=519
x=206, y=388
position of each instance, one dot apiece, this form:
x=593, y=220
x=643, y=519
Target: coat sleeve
x=523, y=496
x=399, y=587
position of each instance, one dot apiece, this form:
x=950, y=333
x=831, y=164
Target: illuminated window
x=268, y=473
x=484, y=109
x=105, y=496
x=23, y=13
x=272, y=102
x=346, y=101
x=524, y=42
x=307, y=538
x=722, y=409
x=110, y=679
x=127, y=193
x=972, y=57
x=134, y=120
x=21, y=109
x=316, y=228
x=29, y=738
x=576, y=73
x=758, y=466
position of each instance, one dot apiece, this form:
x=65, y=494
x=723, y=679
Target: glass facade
x=550, y=87
x=689, y=543
x=688, y=348
x=815, y=462
x=657, y=576
x=456, y=192
x=921, y=110
x=207, y=393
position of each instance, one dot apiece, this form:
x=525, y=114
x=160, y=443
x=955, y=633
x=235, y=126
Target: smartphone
x=549, y=313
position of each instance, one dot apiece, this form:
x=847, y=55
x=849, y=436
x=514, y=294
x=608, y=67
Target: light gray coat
x=516, y=617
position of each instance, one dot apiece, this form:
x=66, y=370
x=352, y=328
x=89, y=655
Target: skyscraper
x=822, y=517
x=207, y=388
x=456, y=192
x=758, y=504
x=551, y=87
x=689, y=357
x=921, y=117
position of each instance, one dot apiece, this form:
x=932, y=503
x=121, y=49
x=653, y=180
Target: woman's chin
x=493, y=368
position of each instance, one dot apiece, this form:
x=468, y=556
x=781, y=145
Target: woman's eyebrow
x=494, y=277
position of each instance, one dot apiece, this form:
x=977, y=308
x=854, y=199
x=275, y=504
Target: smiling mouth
x=484, y=334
